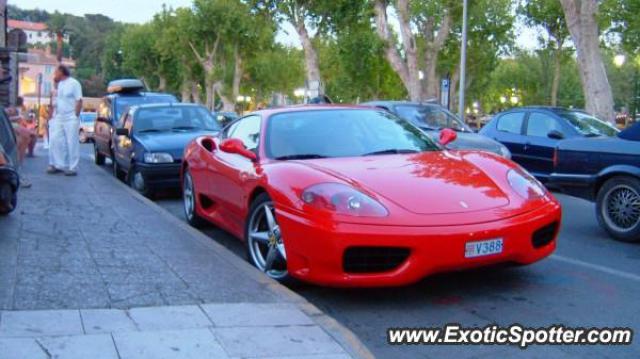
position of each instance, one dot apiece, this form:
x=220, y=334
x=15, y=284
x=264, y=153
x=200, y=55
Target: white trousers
x=64, y=144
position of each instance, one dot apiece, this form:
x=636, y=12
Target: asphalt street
x=591, y=281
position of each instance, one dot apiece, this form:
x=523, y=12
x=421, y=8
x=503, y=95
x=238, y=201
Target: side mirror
x=234, y=145
x=122, y=132
x=447, y=136
x=556, y=135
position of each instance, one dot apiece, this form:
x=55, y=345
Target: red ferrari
x=353, y=196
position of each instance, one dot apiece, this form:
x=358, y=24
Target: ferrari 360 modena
x=354, y=196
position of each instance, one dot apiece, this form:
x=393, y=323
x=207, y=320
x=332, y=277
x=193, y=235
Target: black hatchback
x=9, y=179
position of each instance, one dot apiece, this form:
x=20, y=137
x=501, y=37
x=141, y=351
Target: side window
x=128, y=123
x=540, y=124
x=122, y=120
x=511, y=122
x=247, y=130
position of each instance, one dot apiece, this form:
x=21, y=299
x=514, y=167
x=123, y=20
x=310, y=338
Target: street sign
x=444, y=92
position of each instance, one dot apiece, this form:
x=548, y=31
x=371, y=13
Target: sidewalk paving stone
x=165, y=318
x=172, y=344
x=40, y=323
x=79, y=347
x=276, y=341
x=255, y=315
x=97, y=321
x=21, y=348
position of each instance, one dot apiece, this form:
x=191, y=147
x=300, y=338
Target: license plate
x=483, y=248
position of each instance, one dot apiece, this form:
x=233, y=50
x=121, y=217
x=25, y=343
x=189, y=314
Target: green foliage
x=623, y=15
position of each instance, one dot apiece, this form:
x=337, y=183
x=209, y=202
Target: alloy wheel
x=265, y=242
x=188, y=196
x=621, y=208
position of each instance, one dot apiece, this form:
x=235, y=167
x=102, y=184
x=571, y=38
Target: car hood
x=471, y=141
x=169, y=142
x=602, y=144
x=437, y=182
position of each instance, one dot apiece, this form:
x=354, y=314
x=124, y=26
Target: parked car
x=9, y=179
x=149, y=141
x=87, y=126
x=225, y=118
x=122, y=95
x=432, y=118
x=533, y=133
x=355, y=196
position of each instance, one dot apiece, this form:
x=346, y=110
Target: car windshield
x=431, y=117
x=342, y=133
x=88, y=117
x=174, y=118
x=123, y=103
x=588, y=125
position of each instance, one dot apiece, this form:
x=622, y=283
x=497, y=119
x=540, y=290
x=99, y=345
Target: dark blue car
x=149, y=141
x=581, y=156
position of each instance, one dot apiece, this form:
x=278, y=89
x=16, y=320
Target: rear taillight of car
x=342, y=199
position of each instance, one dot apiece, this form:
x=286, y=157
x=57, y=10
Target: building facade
x=36, y=75
x=37, y=32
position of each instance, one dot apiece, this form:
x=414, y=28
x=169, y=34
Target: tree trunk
x=555, y=85
x=310, y=55
x=195, y=93
x=237, y=75
x=407, y=71
x=162, y=83
x=453, y=87
x=59, y=44
x=434, y=45
x=227, y=104
x=581, y=17
x=431, y=81
x=185, y=90
x=210, y=90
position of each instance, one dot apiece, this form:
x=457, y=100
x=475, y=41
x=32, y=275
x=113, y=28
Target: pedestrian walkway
x=89, y=269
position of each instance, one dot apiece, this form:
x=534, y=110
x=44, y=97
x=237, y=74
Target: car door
x=123, y=145
x=539, y=146
x=232, y=173
x=508, y=131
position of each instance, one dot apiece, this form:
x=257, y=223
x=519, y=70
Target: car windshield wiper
x=392, y=151
x=179, y=128
x=430, y=128
x=306, y=156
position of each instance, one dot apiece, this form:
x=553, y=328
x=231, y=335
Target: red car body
x=438, y=202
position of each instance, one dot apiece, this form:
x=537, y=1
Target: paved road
x=591, y=280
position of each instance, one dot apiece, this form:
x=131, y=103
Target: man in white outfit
x=64, y=127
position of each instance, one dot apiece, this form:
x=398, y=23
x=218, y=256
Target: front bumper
x=315, y=254
x=160, y=176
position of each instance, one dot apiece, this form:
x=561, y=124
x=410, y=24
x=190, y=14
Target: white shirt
x=69, y=92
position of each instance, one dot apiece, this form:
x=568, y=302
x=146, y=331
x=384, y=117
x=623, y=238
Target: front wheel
x=137, y=182
x=618, y=208
x=265, y=248
x=8, y=199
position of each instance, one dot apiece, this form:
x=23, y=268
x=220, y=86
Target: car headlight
x=342, y=199
x=525, y=185
x=504, y=152
x=158, y=157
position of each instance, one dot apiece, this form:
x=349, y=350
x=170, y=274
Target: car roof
x=140, y=94
x=432, y=102
x=165, y=104
x=304, y=108
x=554, y=109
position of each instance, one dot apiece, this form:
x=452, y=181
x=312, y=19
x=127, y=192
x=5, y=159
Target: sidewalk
x=89, y=269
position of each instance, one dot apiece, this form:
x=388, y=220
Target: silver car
x=87, y=124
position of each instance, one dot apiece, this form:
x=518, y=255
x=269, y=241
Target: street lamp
x=514, y=99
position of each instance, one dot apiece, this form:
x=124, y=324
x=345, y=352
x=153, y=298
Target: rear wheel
x=265, y=248
x=83, y=136
x=189, y=201
x=98, y=158
x=618, y=208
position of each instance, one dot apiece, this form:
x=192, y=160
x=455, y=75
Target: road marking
x=603, y=269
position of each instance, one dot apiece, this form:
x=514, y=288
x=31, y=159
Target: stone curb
x=342, y=335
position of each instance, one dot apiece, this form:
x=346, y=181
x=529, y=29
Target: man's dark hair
x=64, y=70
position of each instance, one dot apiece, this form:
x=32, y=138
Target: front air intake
x=362, y=260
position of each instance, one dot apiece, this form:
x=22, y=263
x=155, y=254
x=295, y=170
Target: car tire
x=117, y=171
x=136, y=180
x=83, y=137
x=98, y=158
x=8, y=199
x=263, y=240
x=618, y=208
x=189, y=196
